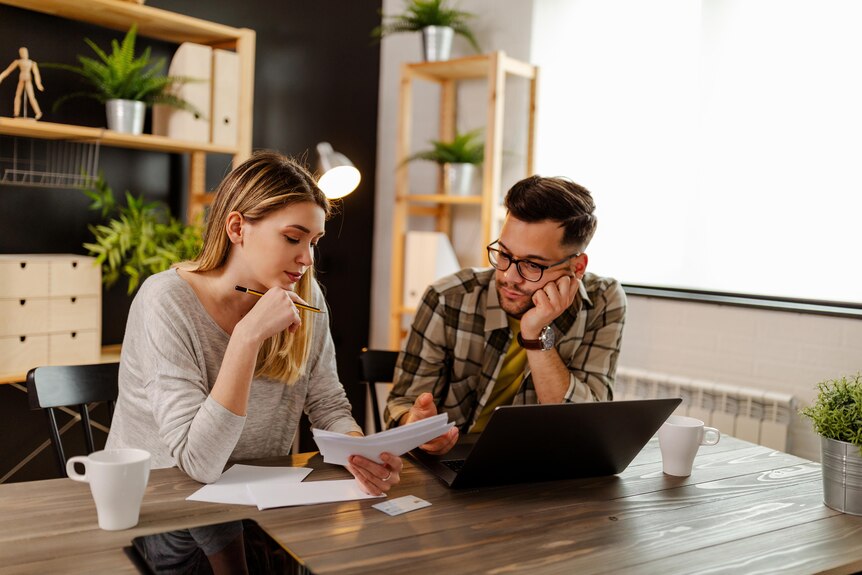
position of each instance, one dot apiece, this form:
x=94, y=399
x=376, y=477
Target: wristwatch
x=544, y=343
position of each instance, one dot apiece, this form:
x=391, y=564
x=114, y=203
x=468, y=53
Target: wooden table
x=109, y=354
x=745, y=509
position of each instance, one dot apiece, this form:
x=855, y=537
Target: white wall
x=499, y=25
x=770, y=350
x=690, y=119
x=778, y=351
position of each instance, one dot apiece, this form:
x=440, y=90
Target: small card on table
x=401, y=505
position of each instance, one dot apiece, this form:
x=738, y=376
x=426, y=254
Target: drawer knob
x=22, y=301
x=74, y=264
x=23, y=338
x=23, y=265
x=74, y=334
x=73, y=299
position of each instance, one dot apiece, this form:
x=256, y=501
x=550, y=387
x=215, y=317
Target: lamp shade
x=340, y=176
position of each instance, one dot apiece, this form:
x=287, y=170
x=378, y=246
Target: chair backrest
x=56, y=386
x=376, y=366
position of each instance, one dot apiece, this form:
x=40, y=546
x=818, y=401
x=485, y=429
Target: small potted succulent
x=126, y=84
x=457, y=158
x=437, y=22
x=837, y=418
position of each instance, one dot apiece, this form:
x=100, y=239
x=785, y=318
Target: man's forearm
x=550, y=375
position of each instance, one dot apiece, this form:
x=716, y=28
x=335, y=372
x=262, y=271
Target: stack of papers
x=232, y=486
x=267, y=487
x=269, y=495
x=337, y=447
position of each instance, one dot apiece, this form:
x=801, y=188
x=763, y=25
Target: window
x=722, y=139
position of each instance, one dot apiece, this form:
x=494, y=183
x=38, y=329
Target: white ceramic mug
x=679, y=439
x=118, y=479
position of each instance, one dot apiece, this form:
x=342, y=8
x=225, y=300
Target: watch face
x=545, y=342
x=547, y=337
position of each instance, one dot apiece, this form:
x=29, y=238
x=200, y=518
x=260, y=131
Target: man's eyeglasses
x=529, y=270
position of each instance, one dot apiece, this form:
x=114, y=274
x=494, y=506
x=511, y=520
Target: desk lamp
x=340, y=176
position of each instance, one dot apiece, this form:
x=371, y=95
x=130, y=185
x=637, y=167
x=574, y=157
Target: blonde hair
x=266, y=182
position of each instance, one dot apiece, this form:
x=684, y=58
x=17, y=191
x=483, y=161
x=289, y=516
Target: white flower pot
x=126, y=116
x=437, y=43
x=459, y=179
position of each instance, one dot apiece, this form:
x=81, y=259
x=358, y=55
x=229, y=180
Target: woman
x=209, y=374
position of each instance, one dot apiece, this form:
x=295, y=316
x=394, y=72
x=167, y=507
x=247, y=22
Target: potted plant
x=125, y=83
x=437, y=22
x=457, y=158
x=139, y=240
x=837, y=418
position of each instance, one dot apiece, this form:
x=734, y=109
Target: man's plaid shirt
x=460, y=334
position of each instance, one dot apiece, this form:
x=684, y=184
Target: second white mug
x=118, y=479
x=679, y=439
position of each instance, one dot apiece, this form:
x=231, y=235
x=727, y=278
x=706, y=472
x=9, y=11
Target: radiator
x=755, y=415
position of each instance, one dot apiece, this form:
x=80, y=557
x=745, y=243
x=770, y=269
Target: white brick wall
x=770, y=350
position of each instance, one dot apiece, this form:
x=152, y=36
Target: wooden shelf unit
x=29, y=128
x=442, y=199
x=494, y=69
x=161, y=25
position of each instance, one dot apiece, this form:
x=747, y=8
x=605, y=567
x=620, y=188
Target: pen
x=258, y=294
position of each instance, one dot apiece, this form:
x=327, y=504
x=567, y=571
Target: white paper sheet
x=336, y=447
x=231, y=486
x=269, y=494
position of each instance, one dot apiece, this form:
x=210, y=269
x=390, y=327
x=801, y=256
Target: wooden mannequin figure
x=28, y=71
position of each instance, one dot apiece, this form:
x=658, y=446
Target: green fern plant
x=120, y=75
x=837, y=412
x=465, y=148
x=140, y=239
x=420, y=14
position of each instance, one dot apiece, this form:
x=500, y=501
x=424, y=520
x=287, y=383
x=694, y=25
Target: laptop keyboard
x=453, y=464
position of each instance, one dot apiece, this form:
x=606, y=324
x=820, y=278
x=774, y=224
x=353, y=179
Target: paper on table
x=231, y=486
x=336, y=447
x=269, y=494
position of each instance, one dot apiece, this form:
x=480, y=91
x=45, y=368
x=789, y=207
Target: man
x=536, y=328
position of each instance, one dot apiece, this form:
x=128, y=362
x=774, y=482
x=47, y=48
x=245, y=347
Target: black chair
x=376, y=366
x=56, y=386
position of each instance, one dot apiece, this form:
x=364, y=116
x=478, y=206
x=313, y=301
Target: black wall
x=316, y=78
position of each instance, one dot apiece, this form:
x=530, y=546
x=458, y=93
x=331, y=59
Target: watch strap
x=530, y=343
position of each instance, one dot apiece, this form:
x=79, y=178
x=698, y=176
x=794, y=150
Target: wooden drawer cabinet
x=24, y=276
x=50, y=311
x=19, y=353
x=69, y=347
x=24, y=315
x=75, y=276
x=71, y=313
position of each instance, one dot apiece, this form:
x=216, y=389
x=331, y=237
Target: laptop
x=530, y=443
